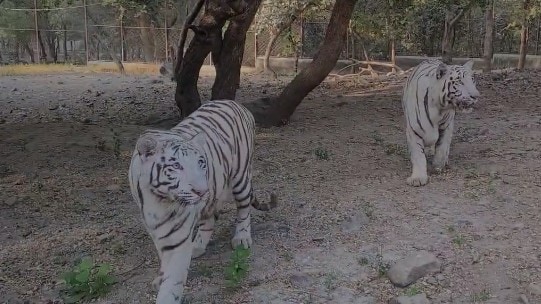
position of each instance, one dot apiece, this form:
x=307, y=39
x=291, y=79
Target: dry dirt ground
x=339, y=168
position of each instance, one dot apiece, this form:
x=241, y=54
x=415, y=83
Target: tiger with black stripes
x=433, y=93
x=179, y=179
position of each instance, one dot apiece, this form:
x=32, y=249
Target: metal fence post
x=86, y=32
x=38, y=52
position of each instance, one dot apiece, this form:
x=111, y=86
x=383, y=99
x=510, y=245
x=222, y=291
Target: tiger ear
x=147, y=146
x=441, y=70
x=469, y=64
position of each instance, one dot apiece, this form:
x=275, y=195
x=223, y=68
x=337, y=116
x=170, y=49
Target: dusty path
x=339, y=168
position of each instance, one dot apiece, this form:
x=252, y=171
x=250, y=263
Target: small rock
x=524, y=300
x=518, y=226
x=410, y=269
x=416, y=299
x=347, y=296
x=11, y=201
x=535, y=288
x=53, y=107
x=300, y=280
x=86, y=120
x=14, y=90
x=105, y=237
x=355, y=223
x=113, y=187
x=2, y=121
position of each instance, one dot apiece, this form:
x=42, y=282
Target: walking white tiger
x=180, y=177
x=431, y=96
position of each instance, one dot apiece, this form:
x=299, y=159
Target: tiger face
x=458, y=87
x=177, y=169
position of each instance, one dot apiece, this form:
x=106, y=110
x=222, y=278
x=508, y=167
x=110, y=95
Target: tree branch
x=184, y=34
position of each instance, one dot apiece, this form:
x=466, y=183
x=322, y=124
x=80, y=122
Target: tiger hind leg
x=443, y=145
x=206, y=228
x=419, y=175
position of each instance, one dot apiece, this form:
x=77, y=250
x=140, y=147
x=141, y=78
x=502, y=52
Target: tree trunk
x=523, y=46
x=147, y=39
x=451, y=19
x=207, y=38
x=268, y=50
x=393, y=55
x=43, y=55
x=277, y=111
x=228, y=60
x=65, y=44
x=30, y=52
x=488, y=48
x=524, y=36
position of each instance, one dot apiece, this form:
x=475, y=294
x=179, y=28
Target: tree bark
x=208, y=38
x=451, y=20
x=143, y=21
x=488, y=48
x=43, y=55
x=228, y=60
x=524, y=36
x=266, y=60
x=523, y=46
x=277, y=111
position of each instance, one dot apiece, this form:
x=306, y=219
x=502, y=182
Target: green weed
x=87, y=281
x=238, y=267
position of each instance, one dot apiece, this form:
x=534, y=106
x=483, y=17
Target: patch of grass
x=389, y=148
x=368, y=209
x=459, y=240
x=482, y=296
x=116, y=143
x=98, y=67
x=321, y=153
x=363, y=261
x=330, y=282
x=238, y=266
x=412, y=291
x=87, y=281
x=205, y=270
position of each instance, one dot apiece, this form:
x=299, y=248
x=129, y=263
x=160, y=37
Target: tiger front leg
x=243, y=198
x=202, y=238
x=419, y=175
x=174, y=267
x=443, y=146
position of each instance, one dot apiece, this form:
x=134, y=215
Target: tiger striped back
x=180, y=177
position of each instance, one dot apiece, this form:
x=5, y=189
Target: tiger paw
x=417, y=181
x=242, y=238
x=157, y=282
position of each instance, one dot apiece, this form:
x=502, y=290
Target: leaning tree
x=227, y=49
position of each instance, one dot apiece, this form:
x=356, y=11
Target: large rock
x=416, y=299
x=410, y=269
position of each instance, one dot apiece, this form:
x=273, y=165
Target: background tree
x=276, y=16
x=488, y=46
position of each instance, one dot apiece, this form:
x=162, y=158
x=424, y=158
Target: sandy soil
x=339, y=168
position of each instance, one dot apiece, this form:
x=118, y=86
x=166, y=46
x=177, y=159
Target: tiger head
x=458, y=88
x=176, y=168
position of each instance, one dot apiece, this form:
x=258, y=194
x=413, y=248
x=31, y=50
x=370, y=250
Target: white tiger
x=180, y=177
x=431, y=96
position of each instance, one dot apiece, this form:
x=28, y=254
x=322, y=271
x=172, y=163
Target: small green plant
x=413, y=290
x=116, y=143
x=87, y=281
x=238, y=266
x=481, y=296
x=377, y=138
x=459, y=240
x=368, y=209
x=363, y=261
x=330, y=282
x=322, y=154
